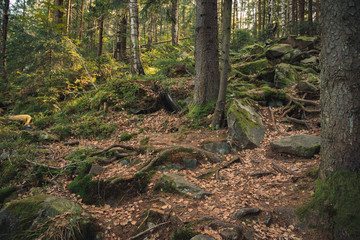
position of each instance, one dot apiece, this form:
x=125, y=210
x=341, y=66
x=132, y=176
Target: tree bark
x=318, y=11
x=136, y=66
x=340, y=86
x=283, y=18
x=301, y=15
x=206, y=52
x=259, y=15
x=68, y=13
x=5, y=24
x=123, y=34
x=264, y=15
x=219, y=114
x=175, y=22
x=59, y=14
x=101, y=36
x=81, y=19
x=310, y=19
x=294, y=16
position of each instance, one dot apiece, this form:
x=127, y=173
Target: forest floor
x=276, y=194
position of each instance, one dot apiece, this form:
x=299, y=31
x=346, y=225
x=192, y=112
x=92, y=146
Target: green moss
x=308, y=151
x=183, y=234
x=84, y=186
x=313, y=173
x=126, y=137
x=306, y=38
x=243, y=119
x=6, y=192
x=203, y=110
x=285, y=75
x=253, y=67
x=336, y=199
x=28, y=207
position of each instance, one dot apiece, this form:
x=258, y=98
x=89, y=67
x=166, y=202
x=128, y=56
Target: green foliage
x=199, y=111
x=84, y=186
x=336, y=199
x=240, y=38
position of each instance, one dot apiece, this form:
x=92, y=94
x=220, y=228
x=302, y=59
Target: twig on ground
x=148, y=230
x=298, y=121
x=115, y=146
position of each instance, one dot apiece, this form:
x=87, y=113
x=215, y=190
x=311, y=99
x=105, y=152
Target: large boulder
x=277, y=51
x=300, y=145
x=179, y=184
x=245, y=125
x=301, y=42
x=312, y=62
x=285, y=76
x=218, y=147
x=295, y=56
x=253, y=67
x=20, y=216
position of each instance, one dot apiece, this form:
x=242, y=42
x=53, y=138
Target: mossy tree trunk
x=340, y=86
x=219, y=115
x=206, y=52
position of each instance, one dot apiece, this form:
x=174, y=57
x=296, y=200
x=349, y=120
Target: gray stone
x=96, y=170
x=295, y=56
x=180, y=185
x=4, y=156
x=245, y=125
x=285, y=76
x=305, y=86
x=124, y=163
x=189, y=163
x=218, y=147
x=310, y=62
x=278, y=51
x=300, y=145
x=229, y=235
x=246, y=211
x=202, y=237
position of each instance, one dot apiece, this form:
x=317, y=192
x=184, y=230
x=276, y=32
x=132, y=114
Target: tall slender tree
x=219, y=115
x=259, y=15
x=175, y=22
x=206, y=52
x=5, y=23
x=310, y=18
x=136, y=65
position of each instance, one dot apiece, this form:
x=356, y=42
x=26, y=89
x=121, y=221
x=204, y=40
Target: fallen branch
x=287, y=111
x=115, y=146
x=278, y=168
x=148, y=230
x=311, y=102
x=118, y=156
x=310, y=110
x=51, y=167
x=218, y=168
x=272, y=118
x=298, y=121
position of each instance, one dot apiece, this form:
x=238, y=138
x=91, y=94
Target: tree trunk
x=68, y=13
x=155, y=28
x=58, y=12
x=283, y=18
x=101, y=37
x=175, y=22
x=219, y=114
x=318, y=11
x=310, y=19
x=264, y=15
x=81, y=19
x=136, y=66
x=301, y=15
x=206, y=52
x=123, y=34
x=294, y=16
x=340, y=86
x=234, y=17
x=259, y=15
x=5, y=24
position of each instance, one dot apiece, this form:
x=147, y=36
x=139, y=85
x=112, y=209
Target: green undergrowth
x=336, y=200
x=197, y=112
x=184, y=233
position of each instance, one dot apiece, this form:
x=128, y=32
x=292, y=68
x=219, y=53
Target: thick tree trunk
x=101, y=36
x=136, y=66
x=5, y=23
x=175, y=22
x=310, y=19
x=340, y=86
x=206, y=52
x=219, y=115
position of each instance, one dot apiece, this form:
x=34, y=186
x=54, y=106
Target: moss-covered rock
x=253, y=67
x=245, y=125
x=300, y=145
x=285, y=75
x=278, y=51
x=311, y=62
x=295, y=56
x=23, y=216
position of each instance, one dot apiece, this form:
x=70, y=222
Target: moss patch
x=336, y=199
x=200, y=111
x=253, y=67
